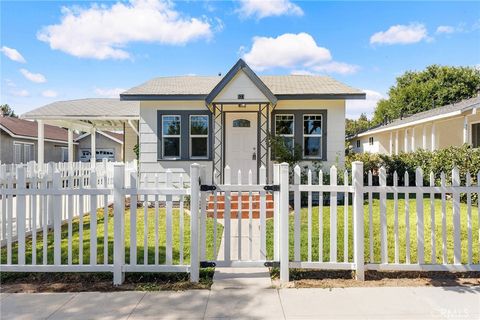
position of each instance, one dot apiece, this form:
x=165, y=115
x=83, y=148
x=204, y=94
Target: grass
x=100, y=239
x=390, y=233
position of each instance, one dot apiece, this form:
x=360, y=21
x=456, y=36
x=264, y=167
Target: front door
x=241, y=141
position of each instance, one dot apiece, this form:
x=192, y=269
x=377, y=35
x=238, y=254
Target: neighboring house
x=109, y=145
x=451, y=125
x=18, y=141
x=219, y=121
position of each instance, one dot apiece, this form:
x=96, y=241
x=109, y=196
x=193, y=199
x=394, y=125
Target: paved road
x=351, y=303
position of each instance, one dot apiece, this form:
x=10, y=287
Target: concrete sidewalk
x=350, y=303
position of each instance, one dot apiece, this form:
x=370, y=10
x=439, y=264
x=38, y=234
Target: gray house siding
x=53, y=150
x=101, y=142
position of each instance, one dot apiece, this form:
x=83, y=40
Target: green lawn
x=140, y=239
x=390, y=232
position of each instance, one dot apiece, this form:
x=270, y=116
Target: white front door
x=241, y=136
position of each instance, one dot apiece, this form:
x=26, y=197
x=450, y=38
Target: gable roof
x=436, y=113
x=29, y=129
x=274, y=87
x=114, y=136
x=241, y=66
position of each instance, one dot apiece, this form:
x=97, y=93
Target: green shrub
x=466, y=158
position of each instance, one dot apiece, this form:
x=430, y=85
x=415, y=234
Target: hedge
x=466, y=158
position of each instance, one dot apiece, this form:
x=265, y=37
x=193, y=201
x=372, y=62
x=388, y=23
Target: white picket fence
x=346, y=249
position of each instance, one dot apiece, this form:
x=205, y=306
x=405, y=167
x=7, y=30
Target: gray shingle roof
x=459, y=106
x=279, y=85
x=101, y=107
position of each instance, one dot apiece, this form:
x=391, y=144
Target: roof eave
x=166, y=97
x=322, y=96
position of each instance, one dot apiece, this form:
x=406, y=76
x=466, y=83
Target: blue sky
x=59, y=50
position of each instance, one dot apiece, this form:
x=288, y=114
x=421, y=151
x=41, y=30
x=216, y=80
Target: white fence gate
x=51, y=201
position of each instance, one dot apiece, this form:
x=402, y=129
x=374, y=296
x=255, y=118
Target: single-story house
x=218, y=121
x=19, y=142
x=109, y=145
x=451, y=125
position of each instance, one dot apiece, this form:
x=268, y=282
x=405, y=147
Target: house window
x=241, y=123
x=312, y=136
x=370, y=141
x=476, y=135
x=358, y=143
x=64, y=154
x=22, y=152
x=199, y=136
x=284, y=127
x=171, y=129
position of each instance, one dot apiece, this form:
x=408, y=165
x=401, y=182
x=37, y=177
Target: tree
x=7, y=111
x=417, y=91
x=355, y=126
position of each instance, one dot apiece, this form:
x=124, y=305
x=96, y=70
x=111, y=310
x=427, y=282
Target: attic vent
x=241, y=96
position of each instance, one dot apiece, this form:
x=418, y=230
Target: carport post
x=93, y=147
x=41, y=144
x=70, y=145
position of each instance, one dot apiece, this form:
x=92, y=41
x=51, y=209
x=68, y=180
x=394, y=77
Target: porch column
x=405, y=141
x=465, y=130
x=93, y=147
x=41, y=143
x=433, y=137
x=390, y=149
x=396, y=142
x=412, y=146
x=70, y=145
x=424, y=137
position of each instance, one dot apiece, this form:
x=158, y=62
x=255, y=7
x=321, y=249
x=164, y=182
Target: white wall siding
x=241, y=84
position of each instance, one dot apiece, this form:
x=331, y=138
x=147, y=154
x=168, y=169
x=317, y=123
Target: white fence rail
x=352, y=226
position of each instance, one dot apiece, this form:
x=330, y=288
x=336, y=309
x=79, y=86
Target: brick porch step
x=245, y=205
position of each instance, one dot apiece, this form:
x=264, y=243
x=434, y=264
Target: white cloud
x=103, y=32
x=49, y=93
x=20, y=93
x=301, y=72
x=287, y=50
x=12, y=54
x=356, y=107
x=337, y=67
x=34, y=77
x=298, y=52
x=401, y=34
x=109, y=93
x=267, y=8
x=445, y=29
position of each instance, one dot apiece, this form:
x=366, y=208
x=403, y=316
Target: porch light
x=242, y=105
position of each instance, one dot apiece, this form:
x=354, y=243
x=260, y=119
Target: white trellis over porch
x=86, y=115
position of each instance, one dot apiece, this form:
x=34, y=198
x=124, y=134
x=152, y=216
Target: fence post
x=358, y=220
x=457, y=249
x=21, y=217
x=56, y=201
x=194, y=207
x=284, y=206
x=118, y=223
x=276, y=214
x=420, y=217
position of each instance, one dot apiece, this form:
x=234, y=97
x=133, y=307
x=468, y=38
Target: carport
x=86, y=115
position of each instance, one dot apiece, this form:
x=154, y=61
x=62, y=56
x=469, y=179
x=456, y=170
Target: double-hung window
x=171, y=131
x=199, y=130
x=284, y=127
x=312, y=136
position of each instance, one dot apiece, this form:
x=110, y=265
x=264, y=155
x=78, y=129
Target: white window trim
x=22, y=144
x=318, y=135
x=470, y=142
x=198, y=135
x=370, y=143
x=179, y=136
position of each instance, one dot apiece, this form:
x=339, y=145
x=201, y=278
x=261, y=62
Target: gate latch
x=207, y=187
x=272, y=264
x=207, y=264
x=272, y=187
